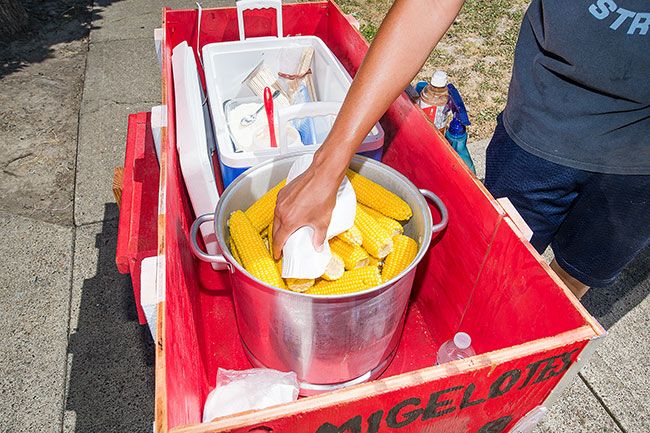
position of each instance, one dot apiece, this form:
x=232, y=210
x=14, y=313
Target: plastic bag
x=242, y=390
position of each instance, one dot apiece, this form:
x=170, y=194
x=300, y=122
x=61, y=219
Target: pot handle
x=444, y=215
x=219, y=259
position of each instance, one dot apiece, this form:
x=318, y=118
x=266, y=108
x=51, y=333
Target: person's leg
x=607, y=226
x=577, y=288
x=541, y=191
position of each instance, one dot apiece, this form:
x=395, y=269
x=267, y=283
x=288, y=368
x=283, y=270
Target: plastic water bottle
x=458, y=348
x=433, y=100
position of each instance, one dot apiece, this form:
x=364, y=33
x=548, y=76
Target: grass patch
x=476, y=52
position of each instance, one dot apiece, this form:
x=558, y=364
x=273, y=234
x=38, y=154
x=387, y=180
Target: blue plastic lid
x=456, y=128
x=420, y=86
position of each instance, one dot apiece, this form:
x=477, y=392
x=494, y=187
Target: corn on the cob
x=261, y=212
x=352, y=236
x=253, y=253
x=234, y=252
x=376, y=239
x=269, y=240
x=391, y=225
x=352, y=281
x=353, y=255
x=379, y=198
x=295, y=284
x=375, y=261
x=299, y=284
x=334, y=269
x=404, y=251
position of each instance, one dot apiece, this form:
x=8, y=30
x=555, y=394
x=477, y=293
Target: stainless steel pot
x=329, y=341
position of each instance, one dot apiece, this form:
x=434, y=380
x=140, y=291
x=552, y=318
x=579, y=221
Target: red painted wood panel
x=486, y=399
x=185, y=372
x=200, y=329
x=515, y=299
x=137, y=236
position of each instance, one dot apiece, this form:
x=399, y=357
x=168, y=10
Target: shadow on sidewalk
x=610, y=304
x=51, y=22
x=111, y=383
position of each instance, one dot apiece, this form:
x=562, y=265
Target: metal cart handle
x=244, y=5
x=218, y=258
x=444, y=214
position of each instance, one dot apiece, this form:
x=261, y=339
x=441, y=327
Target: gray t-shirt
x=580, y=89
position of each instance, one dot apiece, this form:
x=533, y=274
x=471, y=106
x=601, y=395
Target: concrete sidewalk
x=74, y=358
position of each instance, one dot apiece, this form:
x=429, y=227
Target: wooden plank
x=516, y=299
x=197, y=332
x=526, y=373
x=137, y=230
x=118, y=180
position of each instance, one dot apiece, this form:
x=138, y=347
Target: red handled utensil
x=268, y=105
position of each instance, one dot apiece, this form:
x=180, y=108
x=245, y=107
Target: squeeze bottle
x=456, y=134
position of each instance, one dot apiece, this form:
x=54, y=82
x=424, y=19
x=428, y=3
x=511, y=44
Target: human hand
x=308, y=200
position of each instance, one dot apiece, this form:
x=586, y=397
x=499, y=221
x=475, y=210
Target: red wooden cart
x=482, y=276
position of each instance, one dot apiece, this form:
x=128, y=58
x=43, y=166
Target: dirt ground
x=43, y=69
x=476, y=52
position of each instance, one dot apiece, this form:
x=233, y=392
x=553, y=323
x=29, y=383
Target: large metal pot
x=329, y=341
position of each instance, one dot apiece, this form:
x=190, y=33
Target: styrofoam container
x=227, y=64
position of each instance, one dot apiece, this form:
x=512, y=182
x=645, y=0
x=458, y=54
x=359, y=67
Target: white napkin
x=300, y=258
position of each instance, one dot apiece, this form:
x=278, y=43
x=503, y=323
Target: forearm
x=410, y=31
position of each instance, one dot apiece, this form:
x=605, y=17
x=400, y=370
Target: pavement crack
x=90, y=223
x=18, y=158
x=603, y=405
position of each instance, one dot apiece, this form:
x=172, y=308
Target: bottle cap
x=455, y=127
x=439, y=79
x=462, y=340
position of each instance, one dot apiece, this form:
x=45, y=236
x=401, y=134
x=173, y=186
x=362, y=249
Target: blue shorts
x=595, y=223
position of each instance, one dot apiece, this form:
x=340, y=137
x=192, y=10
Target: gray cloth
x=580, y=89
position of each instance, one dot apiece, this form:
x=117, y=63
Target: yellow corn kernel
x=404, y=251
x=392, y=226
x=352, y=236
x=379, y=198
x=299, y=284
x=334, y=269
x=353, y=255
x=233, y=251
x=376, y=239
x=254, y=255
x=269, y=239
x=352, y=281
x=375, y=261
x=261, y=212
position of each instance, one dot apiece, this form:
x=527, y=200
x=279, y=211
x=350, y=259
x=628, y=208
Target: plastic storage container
x=227, y=64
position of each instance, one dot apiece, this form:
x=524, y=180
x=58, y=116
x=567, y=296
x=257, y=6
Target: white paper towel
x=300, y=258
